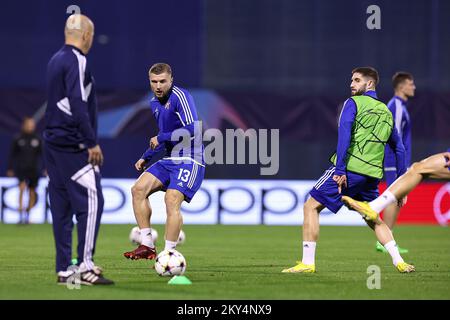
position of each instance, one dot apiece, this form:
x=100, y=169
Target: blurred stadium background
x=250, y=64
x=261, y=64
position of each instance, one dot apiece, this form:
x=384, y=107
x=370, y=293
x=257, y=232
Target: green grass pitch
x=235, y=262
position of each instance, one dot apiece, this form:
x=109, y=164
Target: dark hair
x=368, y=72
x=160, y=67
x=399, y=77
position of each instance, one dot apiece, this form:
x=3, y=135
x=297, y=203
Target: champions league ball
x=170, y=263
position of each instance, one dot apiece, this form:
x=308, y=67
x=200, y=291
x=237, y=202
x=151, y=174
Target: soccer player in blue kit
x=404, y=88
x=180, y=173
x=365, y=126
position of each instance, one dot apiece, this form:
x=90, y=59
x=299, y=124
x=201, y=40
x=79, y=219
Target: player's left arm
x=346, y=120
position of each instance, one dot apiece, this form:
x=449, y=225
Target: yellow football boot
x=362, y=207
x=404, y=267
x=301, y=267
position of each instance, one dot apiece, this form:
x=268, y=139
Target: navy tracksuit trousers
x=74, y=189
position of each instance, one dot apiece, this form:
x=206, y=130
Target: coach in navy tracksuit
x=72, y=154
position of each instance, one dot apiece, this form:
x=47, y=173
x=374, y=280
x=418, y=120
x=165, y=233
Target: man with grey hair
x=72, y=153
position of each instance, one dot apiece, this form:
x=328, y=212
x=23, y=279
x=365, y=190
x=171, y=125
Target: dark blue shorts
x=185, y=176
x=359, y=187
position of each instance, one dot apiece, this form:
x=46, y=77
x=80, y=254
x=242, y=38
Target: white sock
x=380, y=203
x=146, y=238
x=170, y=245
x=309, y=251
x=392, y=248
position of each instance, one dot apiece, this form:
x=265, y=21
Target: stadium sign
x=270, y=202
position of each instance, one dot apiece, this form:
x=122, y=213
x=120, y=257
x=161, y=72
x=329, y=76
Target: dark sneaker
x=91, y=277
x=141, y=252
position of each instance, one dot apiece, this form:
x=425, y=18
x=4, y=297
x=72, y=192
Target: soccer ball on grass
x=170, y=263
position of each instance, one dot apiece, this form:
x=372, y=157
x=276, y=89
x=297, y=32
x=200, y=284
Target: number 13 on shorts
x=184, y=175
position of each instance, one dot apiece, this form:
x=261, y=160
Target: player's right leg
x=62, y=218
x=144, y=186
x=311, y=211
x=324, y=194
x=148, y=183
x=62, y=224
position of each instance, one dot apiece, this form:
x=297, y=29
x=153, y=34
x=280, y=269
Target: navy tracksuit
x=71, y=128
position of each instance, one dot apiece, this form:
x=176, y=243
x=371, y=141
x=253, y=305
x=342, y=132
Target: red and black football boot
x=141, y=252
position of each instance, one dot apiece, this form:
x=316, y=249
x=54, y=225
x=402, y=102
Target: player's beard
x=360, y=92
x=165, y=95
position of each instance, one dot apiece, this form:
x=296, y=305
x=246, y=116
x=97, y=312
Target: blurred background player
x=365, y=125
x=25, y=164
x=179, y=174
x=404, y=88
x=436, y=166
x=72, y=153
